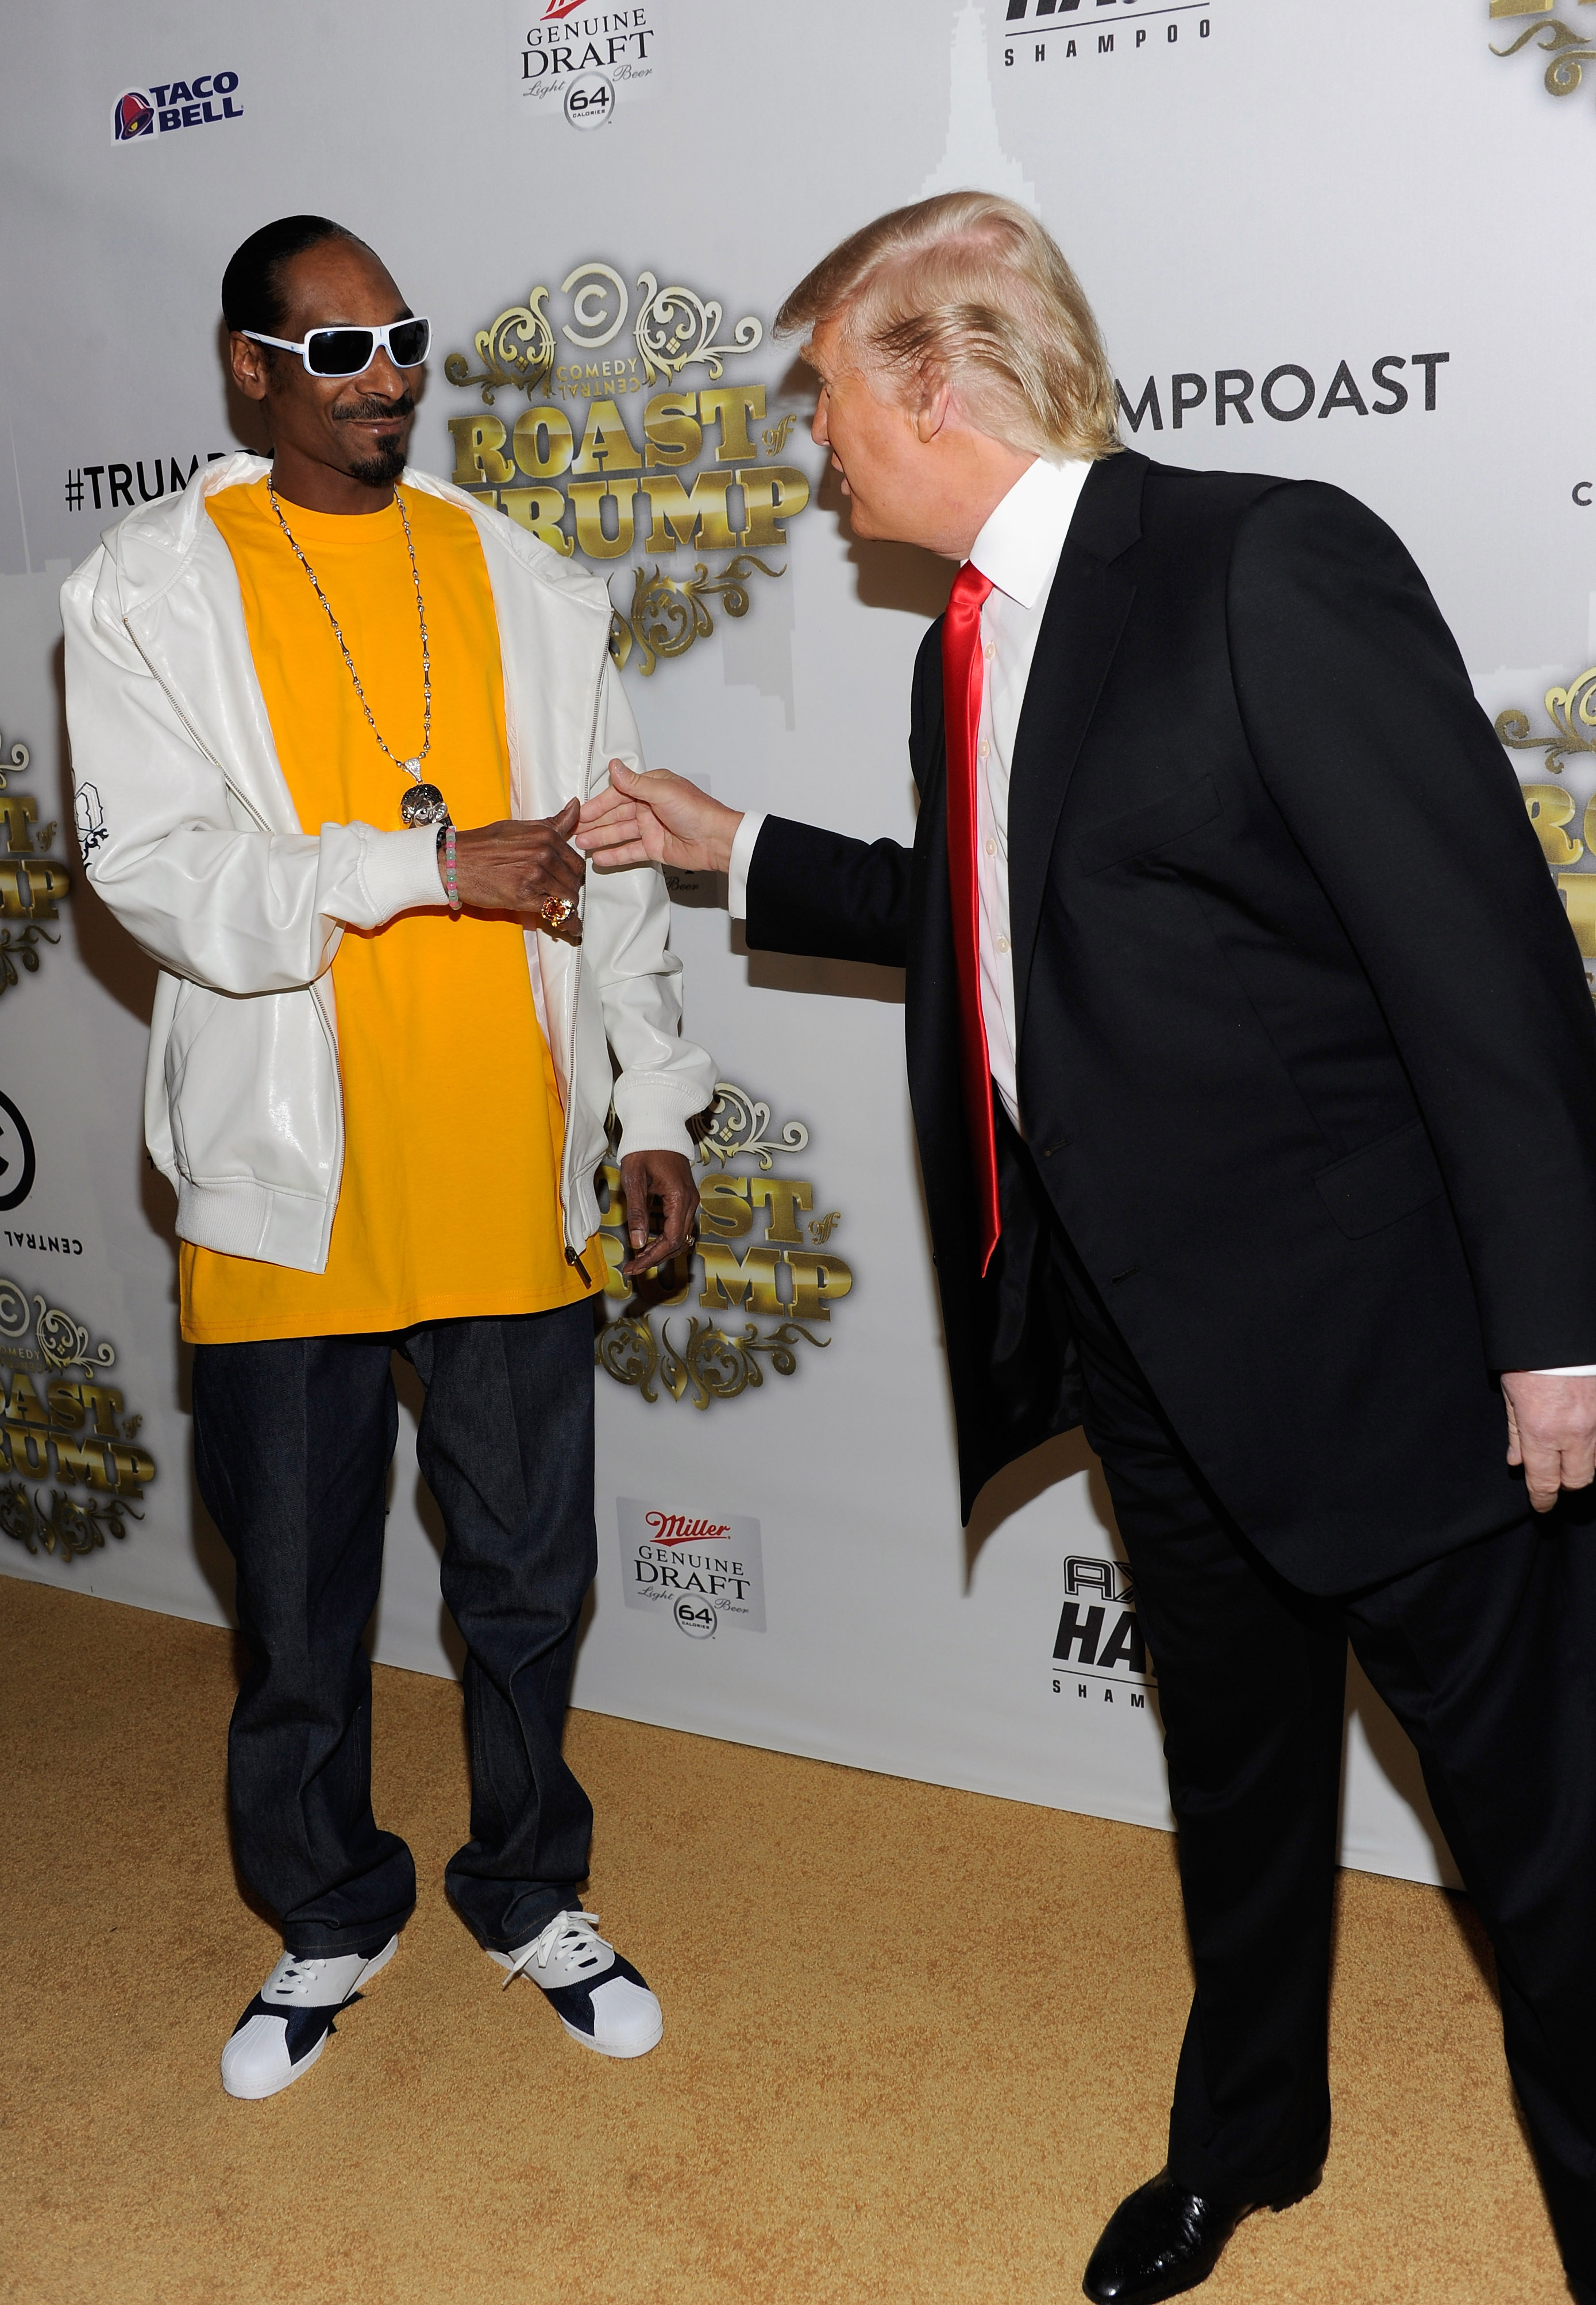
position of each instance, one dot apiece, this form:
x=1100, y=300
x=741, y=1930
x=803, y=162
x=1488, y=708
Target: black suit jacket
x=1306, y=1058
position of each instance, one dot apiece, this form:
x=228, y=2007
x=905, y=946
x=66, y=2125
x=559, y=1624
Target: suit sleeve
x=820, y=893
x=832, y=898
x=1366, y=732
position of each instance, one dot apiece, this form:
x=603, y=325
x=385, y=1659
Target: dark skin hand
x=667, y=1177
x=338, y=446
x=512, y=867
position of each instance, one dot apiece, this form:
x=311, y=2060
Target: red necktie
x=961, y=678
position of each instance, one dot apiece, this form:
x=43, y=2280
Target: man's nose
x=817, y=430
x=382, y=377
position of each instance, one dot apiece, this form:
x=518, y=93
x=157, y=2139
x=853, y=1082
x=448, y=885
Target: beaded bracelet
x=445, y=844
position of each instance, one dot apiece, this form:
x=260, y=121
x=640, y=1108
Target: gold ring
x=556, y=911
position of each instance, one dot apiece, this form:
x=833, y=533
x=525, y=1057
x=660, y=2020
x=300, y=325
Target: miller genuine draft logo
x=762, y=1251
x=32, y=883
x=1554, y=809
x=62, y=1432
x=636, y=444
x=1570, y=51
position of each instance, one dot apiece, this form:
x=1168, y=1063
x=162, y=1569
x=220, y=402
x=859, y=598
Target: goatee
x=380, y=470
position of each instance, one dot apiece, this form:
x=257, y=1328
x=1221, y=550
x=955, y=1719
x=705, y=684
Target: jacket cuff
x=399, y=870
x=654, y=1114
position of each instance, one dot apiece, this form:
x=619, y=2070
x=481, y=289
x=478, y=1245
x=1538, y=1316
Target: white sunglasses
x=347, y=351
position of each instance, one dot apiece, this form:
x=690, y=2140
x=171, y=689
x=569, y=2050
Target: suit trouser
x=1488, y=1658
x=292, y=1442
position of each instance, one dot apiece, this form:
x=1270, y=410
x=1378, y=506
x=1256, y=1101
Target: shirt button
x=991, y=650
x=1002, y=944
x=984, y=748
x=991, y=848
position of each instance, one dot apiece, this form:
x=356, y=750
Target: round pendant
x=423, y=804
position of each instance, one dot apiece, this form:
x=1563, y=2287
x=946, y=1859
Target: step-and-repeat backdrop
x=1338, y=242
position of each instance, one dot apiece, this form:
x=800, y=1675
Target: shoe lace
x=300, y=1977
x=572, y=1929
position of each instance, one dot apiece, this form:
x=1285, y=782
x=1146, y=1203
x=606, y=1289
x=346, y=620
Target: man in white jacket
x=339, y=720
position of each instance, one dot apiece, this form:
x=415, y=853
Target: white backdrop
x=1358, y=210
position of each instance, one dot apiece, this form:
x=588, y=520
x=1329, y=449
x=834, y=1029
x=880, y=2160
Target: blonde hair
x=967, y=289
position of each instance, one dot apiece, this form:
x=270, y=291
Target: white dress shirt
x=1018, y=548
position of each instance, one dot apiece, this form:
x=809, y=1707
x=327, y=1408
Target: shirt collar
x=1019, y=546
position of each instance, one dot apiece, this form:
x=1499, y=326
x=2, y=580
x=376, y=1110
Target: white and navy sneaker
x=285, y=2027
x=599, y=1998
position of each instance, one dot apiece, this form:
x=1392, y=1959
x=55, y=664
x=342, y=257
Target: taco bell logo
x=134, y=117
x=173, y=104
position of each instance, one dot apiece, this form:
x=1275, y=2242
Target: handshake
x=653, y=817
x=656, y=818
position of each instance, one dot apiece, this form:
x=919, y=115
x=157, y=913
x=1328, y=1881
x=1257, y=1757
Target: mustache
x=370, y=408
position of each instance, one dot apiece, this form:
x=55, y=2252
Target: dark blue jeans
x=292, y=1441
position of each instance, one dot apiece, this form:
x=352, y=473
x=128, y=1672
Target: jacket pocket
x=1160, y=821
x=1387, y=1179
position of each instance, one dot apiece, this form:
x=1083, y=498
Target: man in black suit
x=1249, y=1047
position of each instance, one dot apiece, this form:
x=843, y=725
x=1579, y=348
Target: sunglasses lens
x=408, y=340
x=338, y=352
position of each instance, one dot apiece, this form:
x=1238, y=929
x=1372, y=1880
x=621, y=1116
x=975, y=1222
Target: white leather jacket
x=190, y=836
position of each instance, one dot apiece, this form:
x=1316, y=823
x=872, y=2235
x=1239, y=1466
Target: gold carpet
x=917, y=2042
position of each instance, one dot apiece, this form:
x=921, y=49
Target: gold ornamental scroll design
x=737, y=1123
x=668, y=614
x=517, y=352
x=59, y=1419
x=675, y=329
x=704, y=1358
x=1569, y=51
x=32, y=883
x=1572, y=711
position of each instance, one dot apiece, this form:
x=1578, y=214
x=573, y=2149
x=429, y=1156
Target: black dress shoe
x=1162, y=2240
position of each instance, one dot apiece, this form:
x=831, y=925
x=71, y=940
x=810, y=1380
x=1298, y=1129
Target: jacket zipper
x=571, y=1255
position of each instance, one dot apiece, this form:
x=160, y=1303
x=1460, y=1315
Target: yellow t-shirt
x=449, y=1204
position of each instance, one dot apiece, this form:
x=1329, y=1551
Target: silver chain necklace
x=423, y=804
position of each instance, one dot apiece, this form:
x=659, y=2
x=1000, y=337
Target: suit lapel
x=1086, y=613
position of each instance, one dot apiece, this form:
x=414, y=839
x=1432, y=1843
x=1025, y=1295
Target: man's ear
x=251, y=363
x=931, y=416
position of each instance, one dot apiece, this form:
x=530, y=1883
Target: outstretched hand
x=514, y=866
x=656, y=818
x=1551, y=1432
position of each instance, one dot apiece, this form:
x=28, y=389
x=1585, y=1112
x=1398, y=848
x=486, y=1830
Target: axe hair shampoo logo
x=1099, y=1651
